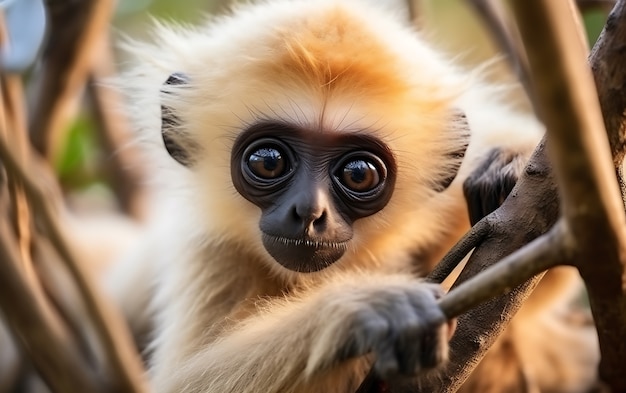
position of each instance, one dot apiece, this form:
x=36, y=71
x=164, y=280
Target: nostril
x=295, y=215
x=321, y=219
x=309, y=217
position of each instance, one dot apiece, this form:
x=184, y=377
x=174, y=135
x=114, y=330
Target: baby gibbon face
x=340, y=137
x=311, y=187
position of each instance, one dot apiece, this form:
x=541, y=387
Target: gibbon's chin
x=303, y=255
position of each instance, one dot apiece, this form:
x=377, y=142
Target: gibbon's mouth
x=303, y=255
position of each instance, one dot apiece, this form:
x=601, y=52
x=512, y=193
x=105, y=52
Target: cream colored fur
x=227, y=317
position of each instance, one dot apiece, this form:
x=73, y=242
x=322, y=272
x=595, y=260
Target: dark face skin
x=311, y=186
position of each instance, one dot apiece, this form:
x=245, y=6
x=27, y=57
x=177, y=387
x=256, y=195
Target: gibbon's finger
x=386, y=363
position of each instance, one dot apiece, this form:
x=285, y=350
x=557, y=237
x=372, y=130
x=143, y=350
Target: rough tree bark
x=589, y=197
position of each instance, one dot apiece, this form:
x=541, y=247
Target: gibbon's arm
x=317, y=340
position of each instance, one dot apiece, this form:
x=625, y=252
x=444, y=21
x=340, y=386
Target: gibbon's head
x=315, y=132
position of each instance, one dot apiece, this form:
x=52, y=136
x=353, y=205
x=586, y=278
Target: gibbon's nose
x=313, y=220
x=310, y=212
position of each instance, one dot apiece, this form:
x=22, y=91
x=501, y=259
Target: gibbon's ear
x=177, y=143
x=456, y=153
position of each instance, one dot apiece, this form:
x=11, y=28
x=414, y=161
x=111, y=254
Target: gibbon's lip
x=304, y=255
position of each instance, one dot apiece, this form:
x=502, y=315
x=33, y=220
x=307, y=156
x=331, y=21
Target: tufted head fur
x=321, y=66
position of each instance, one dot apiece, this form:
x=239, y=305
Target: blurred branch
x=13, y=117
x=125, y=172
x=126, y=369
x=216, y=7
x=74, y=30
x=41, y=334
x=590, y=5
x=495, y=17
x=415, y=11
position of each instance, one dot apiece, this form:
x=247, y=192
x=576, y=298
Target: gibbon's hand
x=403, y=327
x=490, y=183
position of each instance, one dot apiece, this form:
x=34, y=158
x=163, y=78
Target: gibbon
x=308, y=153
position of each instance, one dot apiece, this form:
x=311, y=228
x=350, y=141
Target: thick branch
x=607, y=59
x=530, y=211
x=582, y=160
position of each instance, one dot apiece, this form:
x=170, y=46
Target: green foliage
x=594, y=22
x=77, y=161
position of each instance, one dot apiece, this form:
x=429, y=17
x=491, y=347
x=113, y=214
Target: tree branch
x=126, y=368
x=471, y=239
x=534, y=258
x=607, y=59
x=590, y=196
x=124, y=169
x=74, y=28
x=588, y=5
x=530, y=211
x=40, y=333
x=566, y=114
x=506, y=36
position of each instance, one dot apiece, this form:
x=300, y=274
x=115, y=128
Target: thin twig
x=471, y=239
x=535, y=257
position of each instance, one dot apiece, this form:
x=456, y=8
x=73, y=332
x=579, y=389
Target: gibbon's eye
x=267, y=159
x=267, y=162
x=361, y=174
